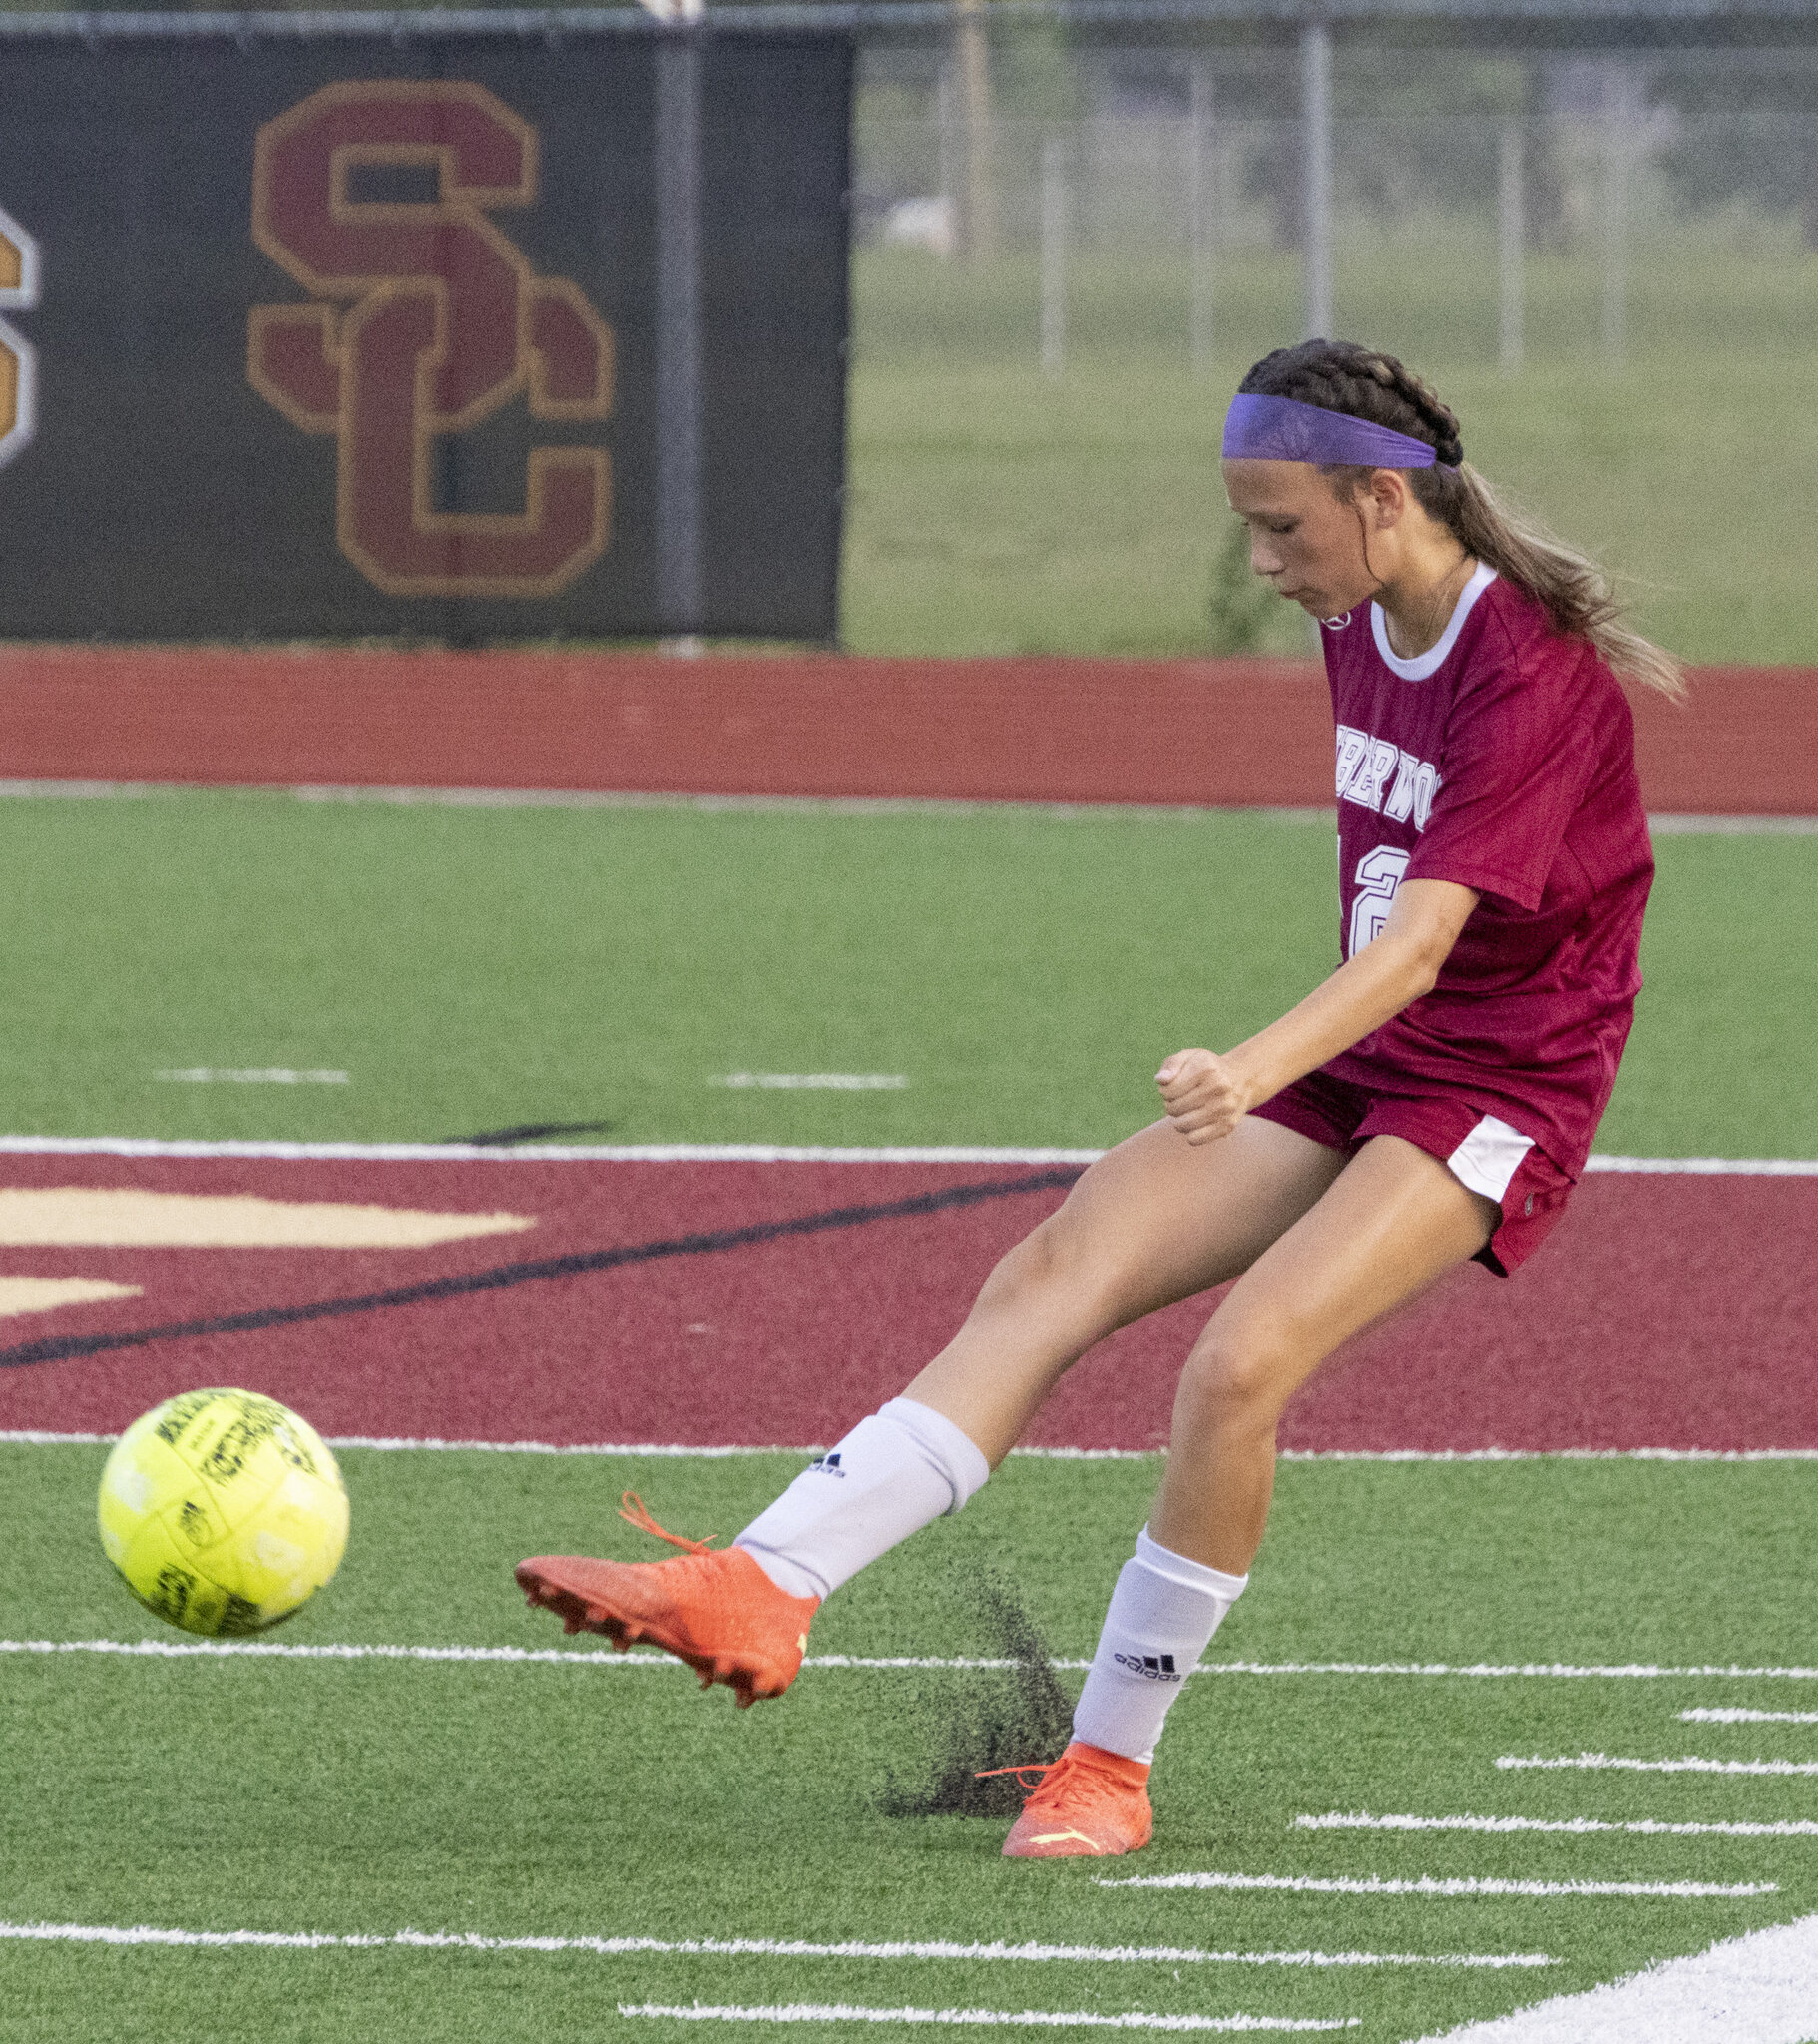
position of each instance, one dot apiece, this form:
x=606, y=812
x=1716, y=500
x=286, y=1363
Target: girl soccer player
x=1432, y=1101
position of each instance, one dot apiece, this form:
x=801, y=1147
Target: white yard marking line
x=1688, y=1764
x=1734, y=1713
x=1759, y=1988
x=290, y=1650
x=1462, y=1885
x=974, y=2018
x=1569, y=1826
x=941, y=1951
x=35, y=1437
x=815, y=1082
x=606, y=1656
x=746, y=1153
x=262, y=1075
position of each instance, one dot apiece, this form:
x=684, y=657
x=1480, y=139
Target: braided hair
x=1338, y=375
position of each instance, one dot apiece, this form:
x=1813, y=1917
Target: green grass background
x=994, y=511
x=1025, y=971
x=535, y=1800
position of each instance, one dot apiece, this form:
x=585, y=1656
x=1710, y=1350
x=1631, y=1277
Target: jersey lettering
x=1365, y=767
x=1379, y=874
x=1412, y=795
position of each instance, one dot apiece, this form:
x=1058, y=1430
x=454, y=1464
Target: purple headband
x=1284, y=429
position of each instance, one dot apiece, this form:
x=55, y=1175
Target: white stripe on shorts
x=1490, y=1157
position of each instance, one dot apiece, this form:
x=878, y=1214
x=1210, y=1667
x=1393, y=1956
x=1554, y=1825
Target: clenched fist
x=1203, y=1095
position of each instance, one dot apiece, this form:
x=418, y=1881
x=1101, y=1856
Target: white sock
x=888, y=1478
x=1162, y=1614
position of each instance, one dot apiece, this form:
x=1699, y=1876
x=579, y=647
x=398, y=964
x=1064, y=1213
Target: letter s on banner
x=444, y=323
x=18, y=359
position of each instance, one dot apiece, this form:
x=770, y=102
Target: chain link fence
x=1181, y=201
x=1071, y=234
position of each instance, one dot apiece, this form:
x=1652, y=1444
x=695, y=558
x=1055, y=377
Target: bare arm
x=1206, y=1095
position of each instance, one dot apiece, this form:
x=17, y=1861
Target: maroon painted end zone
x=1669, y=1312
x=1038, y=730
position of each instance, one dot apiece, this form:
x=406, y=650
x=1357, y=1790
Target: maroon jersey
x=1502, y=759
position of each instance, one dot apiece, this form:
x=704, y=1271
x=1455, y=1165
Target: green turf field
x=530, y=1800
x=1023, y=971
x=991, y=511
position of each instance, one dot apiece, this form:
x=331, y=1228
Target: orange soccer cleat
x=1087, y=1802
x=713, y=1608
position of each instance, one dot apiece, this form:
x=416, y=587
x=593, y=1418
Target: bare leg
x=1393, y=1221
x=1152, y=1222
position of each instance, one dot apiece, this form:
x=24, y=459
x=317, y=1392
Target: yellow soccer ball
x=223, y=1511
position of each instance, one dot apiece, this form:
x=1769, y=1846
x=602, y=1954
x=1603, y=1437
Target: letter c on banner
x=444, y=323
x=18, y=359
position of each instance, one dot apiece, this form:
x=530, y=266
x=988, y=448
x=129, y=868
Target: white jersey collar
x=1424, y=665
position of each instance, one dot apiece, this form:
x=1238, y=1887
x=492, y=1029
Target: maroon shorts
x=1483, y=1153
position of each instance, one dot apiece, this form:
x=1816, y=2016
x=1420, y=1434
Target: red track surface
x=1046, y=730
x=1665, y=1312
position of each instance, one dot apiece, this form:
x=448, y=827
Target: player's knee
x=1049, y=1266
x=1242, y=1374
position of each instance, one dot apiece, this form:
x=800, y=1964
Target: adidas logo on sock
x=828, y=1465
x=1152, y=1666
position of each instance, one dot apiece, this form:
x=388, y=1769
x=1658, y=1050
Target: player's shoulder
x=1517, y=643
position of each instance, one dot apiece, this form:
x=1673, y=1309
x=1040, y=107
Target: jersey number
x=1379, y=874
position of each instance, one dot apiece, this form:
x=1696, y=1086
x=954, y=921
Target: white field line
x=1544, y=1455
x=1709, y=1167
x=1736, y=1715
x=545, y=1657
x=1461, y=1885
x=36, y=1437
x=1569, y=1826
x=541, y=1153
x=1669, y=824
x=973, y=2018
x=745, y=1153
x=957, y=806
x=815, y=1082
x=290, y=1650
x=1666, y=823
x=1690, y=1763
x=1761, y=1988
x=264, y=1075
x=940, y=1950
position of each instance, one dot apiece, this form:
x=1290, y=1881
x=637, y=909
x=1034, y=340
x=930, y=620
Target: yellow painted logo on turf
x=18, y=361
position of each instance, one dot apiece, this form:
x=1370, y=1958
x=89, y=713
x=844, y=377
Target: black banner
x=455, y=337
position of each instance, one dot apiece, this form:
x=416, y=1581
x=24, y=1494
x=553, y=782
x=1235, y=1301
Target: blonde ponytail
x=1574, y=591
